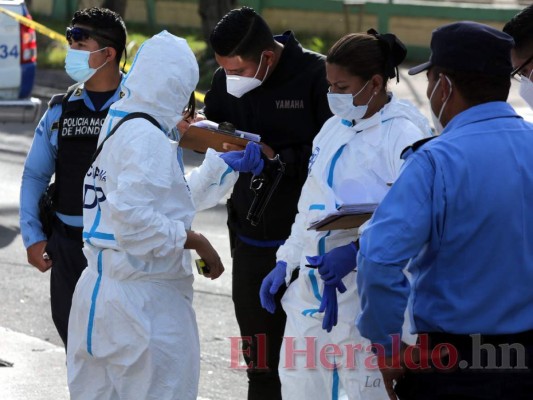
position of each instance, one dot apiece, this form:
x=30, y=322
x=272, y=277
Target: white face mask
x=240, y=85
x=526, y=89
x=436, y=119
x=341, y=104
x=77, y=64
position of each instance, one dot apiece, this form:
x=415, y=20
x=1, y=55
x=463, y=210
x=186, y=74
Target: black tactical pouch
x=47, y=209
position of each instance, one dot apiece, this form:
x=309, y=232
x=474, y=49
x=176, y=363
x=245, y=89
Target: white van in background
x=18, y=60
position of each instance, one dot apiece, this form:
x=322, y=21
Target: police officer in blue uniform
x=461, y=216
x=65, y=140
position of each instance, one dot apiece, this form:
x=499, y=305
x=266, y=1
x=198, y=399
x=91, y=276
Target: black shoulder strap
x=414, y=147
x=61, y=98
x=126, y=118
x=56, y=99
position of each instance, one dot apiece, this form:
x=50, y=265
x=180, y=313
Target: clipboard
x=346, y=217
x=207, y=134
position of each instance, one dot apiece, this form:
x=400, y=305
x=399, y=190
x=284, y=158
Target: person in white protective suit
x=133, y=332
x=355, y=159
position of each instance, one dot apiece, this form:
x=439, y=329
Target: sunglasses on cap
x=78, y=34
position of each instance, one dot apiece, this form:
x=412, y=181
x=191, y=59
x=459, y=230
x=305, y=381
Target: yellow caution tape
x=35, y=25
x=60, y=37
x=199, y=96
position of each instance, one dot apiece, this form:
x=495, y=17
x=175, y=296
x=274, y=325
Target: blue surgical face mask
x=341, y=104
x=77, y=64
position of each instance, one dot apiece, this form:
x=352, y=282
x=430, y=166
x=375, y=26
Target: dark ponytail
x=365, y=55
x=394, y=51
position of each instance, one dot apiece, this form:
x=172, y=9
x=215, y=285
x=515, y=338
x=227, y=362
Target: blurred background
x=316, y=23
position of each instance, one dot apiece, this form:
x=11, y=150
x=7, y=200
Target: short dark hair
x=520, y=27
x=106, y=22
x=241, y=32
x=365, y=55
x=476, y=87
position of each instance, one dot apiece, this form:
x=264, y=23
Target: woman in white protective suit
x=355, y=159
x=133, y=332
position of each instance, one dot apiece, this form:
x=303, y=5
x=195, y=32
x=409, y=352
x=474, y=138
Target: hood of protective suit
x=162, y=77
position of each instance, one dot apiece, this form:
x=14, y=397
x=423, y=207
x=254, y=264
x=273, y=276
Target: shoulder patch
x=56, y=99
x=415, y=146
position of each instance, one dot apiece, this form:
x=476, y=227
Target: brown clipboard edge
x=200, y=139
x=340, y=221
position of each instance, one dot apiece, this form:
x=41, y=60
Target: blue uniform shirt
x=39, y=168
x=462, y=212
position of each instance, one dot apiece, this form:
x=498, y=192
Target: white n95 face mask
x=436, y=119
x=240, y=85
x=77, y=64
x=526, y=90
x=341, y=104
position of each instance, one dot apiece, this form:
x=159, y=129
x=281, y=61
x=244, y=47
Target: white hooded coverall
x=348, y=165
x=132, y=329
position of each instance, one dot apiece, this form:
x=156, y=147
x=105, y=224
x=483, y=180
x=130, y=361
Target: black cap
x=469, y=47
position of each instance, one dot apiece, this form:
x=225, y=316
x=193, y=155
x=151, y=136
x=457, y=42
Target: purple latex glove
x=329, y=306
x=336, y=264
x=247, y=160
x=271, y=285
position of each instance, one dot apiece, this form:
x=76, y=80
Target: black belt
x=72, y=232
x=525, y=337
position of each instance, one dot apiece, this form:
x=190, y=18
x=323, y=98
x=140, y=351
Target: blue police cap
x=469, y=47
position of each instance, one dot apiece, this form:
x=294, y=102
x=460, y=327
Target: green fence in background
x=412, y=22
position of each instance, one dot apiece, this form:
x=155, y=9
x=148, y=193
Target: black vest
x=77, y=136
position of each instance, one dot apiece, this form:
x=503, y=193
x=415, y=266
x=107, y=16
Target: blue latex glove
x=271, y=285
x=329, y=307
x=336, y=264
x=247, y=160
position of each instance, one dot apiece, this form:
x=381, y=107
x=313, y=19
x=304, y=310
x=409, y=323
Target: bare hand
x=390, y=377
x=38, y=257
x=409, y=357
x=184, y=124
x=212, y=259
x=205, y=250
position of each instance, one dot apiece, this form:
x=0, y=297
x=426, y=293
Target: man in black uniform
x=64, y=143
x=273, y=87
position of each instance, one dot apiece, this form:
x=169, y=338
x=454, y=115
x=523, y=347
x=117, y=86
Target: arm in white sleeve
x=291, y=251
x=407, y=134
x=211, y=181
x=150, y=186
